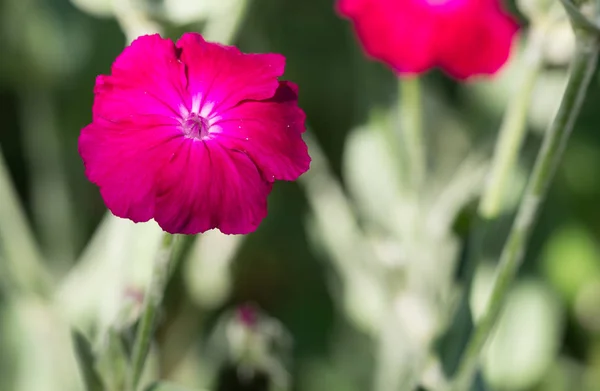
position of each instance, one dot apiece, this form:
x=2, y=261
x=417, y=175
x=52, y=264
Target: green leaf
x=85, y=358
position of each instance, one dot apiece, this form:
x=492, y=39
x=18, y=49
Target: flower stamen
x=195, y=126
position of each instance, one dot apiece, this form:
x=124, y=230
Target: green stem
x=512, y=133
x=24, y=265
x=581, y=73
x=513, y=128
x=163, y=265
x=412, y=128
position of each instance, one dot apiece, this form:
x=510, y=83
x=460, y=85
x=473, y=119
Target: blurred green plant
x=390, y=219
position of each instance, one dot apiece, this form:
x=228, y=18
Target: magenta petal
x=205, y=186
x=270, y=132
x=482, y=47
x=463, y=37
x=399, y=33
x=193, y=136
x=222, y=76
x=146, y=78
x=124, y=164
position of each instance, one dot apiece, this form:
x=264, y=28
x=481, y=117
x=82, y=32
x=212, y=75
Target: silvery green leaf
x=526, y=340
x=461, y=188
x=207, y=267
x=115, y=265
x=187, y=11
x=334, y=216
x=374, y=177
x=364, y=300
x=560, y=44
x=550, y=84
x=45, y=359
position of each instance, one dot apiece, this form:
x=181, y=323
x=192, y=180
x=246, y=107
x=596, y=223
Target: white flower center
x=198, y=123
x=195, y=126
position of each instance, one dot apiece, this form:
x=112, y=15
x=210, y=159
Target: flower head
x=463, y=37
x=193, y=134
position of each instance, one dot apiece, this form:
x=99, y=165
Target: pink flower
x=463, y=37
x=193, y=135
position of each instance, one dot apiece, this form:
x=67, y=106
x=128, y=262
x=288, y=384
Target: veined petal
x=205, y=186
x=147, y=78
x=124, y=163
x=193, y=135
x=270, y=132
x=220, y=77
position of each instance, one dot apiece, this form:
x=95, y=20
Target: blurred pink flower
x=463, y=37
x=193, y=135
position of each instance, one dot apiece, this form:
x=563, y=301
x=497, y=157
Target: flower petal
x=205, y=186
x=270, y=132
x=124, y=162
x=224, y=76
x=147, y=78
x=399, y=33
x=478, y=42
x=463, y=37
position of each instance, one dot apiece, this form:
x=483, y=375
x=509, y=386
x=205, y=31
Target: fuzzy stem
x=512, y=133
x=162, y=268
x=513, y=128
x=581, y=73
x=412, y=129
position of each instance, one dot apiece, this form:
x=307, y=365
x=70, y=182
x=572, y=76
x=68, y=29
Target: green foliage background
x=51, y=52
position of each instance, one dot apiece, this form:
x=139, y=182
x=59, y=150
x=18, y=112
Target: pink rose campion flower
x=193, y=135
x=463, y=37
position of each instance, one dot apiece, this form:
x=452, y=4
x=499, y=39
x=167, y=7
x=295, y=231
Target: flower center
x=195, y=126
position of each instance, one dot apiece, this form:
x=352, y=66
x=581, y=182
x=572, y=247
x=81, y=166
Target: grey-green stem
x=412, y=129
x=581, y=73
x=161, y=271
x=511, y=135
x=514, y=126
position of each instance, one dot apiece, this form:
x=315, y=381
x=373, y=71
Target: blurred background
x=320, y=263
